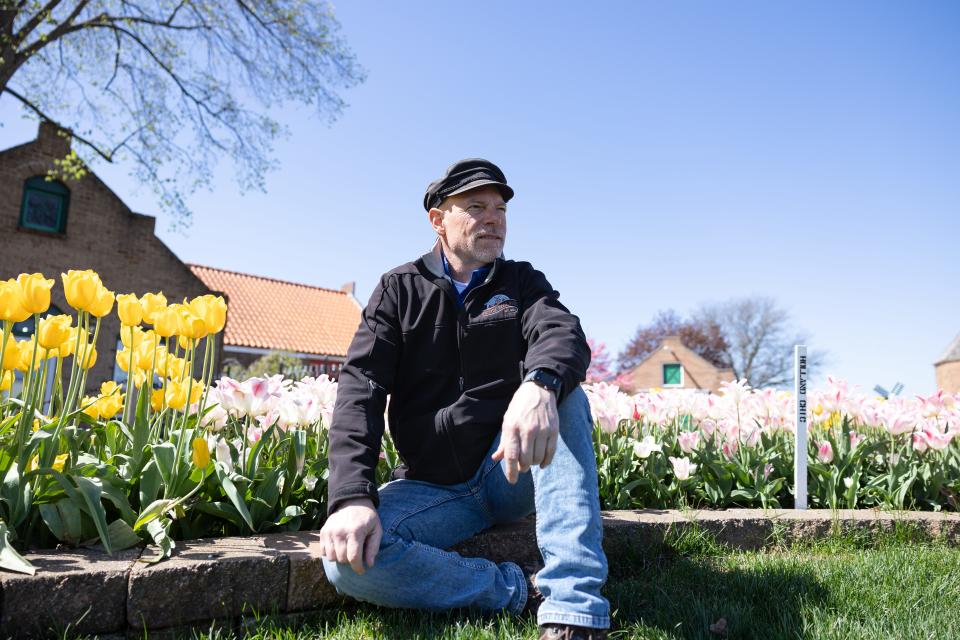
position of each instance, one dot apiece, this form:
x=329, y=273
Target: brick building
x=264, y=315
x=947, y=368
x=51, y=226
x=672, y=365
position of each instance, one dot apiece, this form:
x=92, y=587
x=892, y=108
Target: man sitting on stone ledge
x=483, y=366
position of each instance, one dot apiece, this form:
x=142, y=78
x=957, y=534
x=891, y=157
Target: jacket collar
x=434, y=263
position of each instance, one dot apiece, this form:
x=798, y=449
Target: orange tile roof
x=278, y=315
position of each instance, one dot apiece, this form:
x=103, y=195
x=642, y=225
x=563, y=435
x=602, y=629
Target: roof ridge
x=251, y=275
x=952, y=353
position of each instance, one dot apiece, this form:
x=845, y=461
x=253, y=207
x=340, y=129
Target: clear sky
x=664, y=155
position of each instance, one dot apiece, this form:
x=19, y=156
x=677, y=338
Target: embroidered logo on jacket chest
x=498, y=304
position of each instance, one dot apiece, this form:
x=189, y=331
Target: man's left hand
x=530, y=430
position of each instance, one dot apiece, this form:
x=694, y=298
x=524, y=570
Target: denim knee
x=359, y=586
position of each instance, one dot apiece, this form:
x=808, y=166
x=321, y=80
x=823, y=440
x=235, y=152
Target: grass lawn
x=897, y=585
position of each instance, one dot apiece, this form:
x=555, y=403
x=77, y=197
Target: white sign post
x=800, y=451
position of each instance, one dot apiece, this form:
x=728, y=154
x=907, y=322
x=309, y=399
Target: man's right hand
x=352, y=535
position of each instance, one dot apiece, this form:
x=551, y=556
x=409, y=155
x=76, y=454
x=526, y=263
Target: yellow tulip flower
x=128, y=339
x=165, y=322
x=81, y=288
x=143, y=355
x=26, y=354
x=196, y=392
x=156, y=399
x=201, y=454
x=11, y=302
x=174, y=366
x=103, y=304
x=6, y=380
x=109, y=405
x=54, y=331
x=129, y=310
x=58, y=463
x=213, y=310
x=176, y=396
x=190, y=325
x=90, y=407
x=123, y=359
x=150, y=304
x=109, y=388
x=89, y=356
x=35, y=290
x=11, y=355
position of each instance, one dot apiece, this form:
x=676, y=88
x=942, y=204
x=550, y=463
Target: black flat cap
x=465, y=175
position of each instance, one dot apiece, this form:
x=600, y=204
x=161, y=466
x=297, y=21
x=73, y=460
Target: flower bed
x=183, y=457
x=666, y=449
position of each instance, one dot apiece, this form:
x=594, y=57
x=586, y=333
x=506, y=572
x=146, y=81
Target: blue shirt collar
x=477, y=277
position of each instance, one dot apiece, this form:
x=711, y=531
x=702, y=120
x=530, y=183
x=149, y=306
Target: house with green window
x=52, y=225
x=673, y=365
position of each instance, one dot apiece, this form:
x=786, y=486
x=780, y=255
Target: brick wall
x=948, y=376
x=101, y=234
x=698, y=373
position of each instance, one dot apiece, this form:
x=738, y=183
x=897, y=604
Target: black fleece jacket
x=450, y=371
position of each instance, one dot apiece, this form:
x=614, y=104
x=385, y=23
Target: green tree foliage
x=271, y=364
x=171, y=86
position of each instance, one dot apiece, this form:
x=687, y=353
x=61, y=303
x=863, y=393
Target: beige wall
x=698, y=373
x=948, y=376
x=101, y=234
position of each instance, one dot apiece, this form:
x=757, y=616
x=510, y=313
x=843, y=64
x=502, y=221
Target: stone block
x=307, y=587
x=207, y=579
x=82, y=591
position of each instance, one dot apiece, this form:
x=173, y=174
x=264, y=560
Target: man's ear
x=436, y=220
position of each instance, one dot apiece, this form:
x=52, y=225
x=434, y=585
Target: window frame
x=663, y=374
x=40, y=185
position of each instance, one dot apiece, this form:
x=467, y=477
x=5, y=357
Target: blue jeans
x=421, y=519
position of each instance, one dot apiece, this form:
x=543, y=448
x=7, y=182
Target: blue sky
x=664, y=155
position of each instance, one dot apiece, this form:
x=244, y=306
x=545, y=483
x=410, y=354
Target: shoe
x=570, y=632
x=534, y=597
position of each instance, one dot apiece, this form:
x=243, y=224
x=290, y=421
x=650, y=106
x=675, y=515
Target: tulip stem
x=129, y=394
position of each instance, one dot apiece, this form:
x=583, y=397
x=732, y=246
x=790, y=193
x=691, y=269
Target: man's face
x=473, y=225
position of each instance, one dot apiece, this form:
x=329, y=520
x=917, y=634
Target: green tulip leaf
x=9, y=558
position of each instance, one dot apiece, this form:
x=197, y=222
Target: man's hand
x=530, y=430
x=351, y=535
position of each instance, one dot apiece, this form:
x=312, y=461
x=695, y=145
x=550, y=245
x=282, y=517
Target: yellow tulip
x=156, y=399
x=176, y=397
x=66, y=349
x=6, y=380
x=90, y=407
x=123, y=359
x=196, y=392
x=103, y=303
x=212, y=309
x=127, y=339
x=26, y=355
x=54, y=331
x=109, y=405
x=109, y=388
x=81, y=288
x=190, y=325
x=174, y=366
x=165, y=322
x=143, y=355
x=201, y=454
x=11, y=355
x=58, y=463
x=89, y=356
x=35, y=290
x=183, y=342
x=11, y=302
x=150, y=304
x=129, y=310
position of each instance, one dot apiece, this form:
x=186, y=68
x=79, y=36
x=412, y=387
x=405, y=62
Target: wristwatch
x=545, y=379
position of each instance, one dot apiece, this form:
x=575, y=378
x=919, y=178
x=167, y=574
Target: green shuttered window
x=672, y=374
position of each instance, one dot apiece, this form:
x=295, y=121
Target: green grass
x=849, y=585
